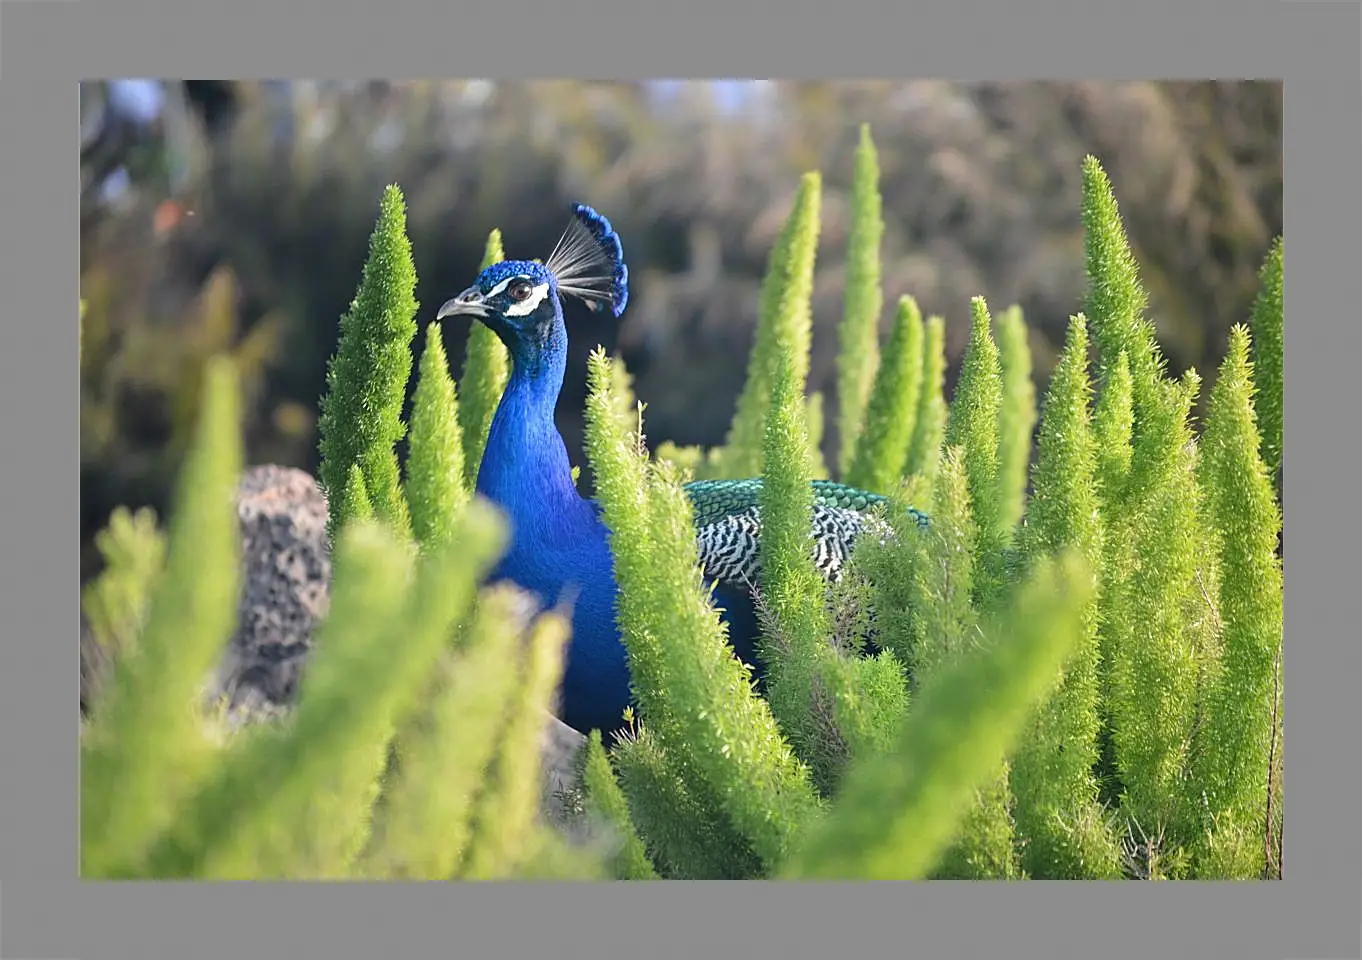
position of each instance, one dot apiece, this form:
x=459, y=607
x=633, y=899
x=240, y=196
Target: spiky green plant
x=882, y=448
x=1109, y=668
x=895, y=815
x=447, y=747
x=1061, y=827
x=487, y=366
x=606, y=802
x=507, y=808
x=1116, y=300
x=973, y=425
x=1017, y=415
x=1232, y=766
x=1266, y=324
x=361, y=411
x=862, y=300
x=929, y=429
x=116, y=601
x=138, y=759
x=714, y=733
x=1112, y=428
x=435, y=489
x=787, y=279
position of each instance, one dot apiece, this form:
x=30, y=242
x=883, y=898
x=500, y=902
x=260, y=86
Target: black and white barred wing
x=730, y=546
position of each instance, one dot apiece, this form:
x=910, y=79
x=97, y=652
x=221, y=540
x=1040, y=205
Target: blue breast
x=578, y=565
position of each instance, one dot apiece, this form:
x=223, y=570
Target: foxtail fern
x=487, y=366
x=447, y=746
x=1060, y=824
x=605, y=802
x=862, y=301
x=897, y=813
x=361, y=418
x=891, y=415
x=435, y=487
x=973, y=425
x=139, y=758
x=1266, y=325
x=741, y=455
x=1017, y=416
x=1232, y=766
x=693, y=693
x=1116, y=300
x=929, y=428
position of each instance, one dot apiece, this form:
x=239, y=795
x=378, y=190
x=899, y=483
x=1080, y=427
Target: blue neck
x=525, y=468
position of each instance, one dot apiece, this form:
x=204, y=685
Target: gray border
x=47, y=47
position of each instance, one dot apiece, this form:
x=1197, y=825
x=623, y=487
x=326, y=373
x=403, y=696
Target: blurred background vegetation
x=234, y=216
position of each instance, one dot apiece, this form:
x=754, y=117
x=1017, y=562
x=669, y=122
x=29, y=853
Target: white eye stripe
x=502, y=286
x=530, y=303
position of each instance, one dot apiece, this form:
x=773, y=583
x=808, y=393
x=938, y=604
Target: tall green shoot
x=1115, y=302
x=1017, y=415
x=435, y=489
x=862, y=300
x=883, y=446
x=350, y=704
x=693, y=692
x=1232, y=759
x=929, y=428
x=361, y=411
x=1059, y=821
x=447, y=747
x=140, y=757
x=1266, y=325
x=973, y=425
x=487, y=366
x=1150, y=611
x=741, y=455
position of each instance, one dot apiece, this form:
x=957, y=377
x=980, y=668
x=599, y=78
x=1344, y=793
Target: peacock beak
x=467, y=304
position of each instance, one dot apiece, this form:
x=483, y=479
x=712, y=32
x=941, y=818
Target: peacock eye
x=519, y=290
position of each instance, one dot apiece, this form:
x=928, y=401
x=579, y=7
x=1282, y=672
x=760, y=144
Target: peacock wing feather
x=729, y=526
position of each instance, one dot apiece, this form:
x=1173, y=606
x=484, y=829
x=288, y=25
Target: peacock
x=559, y=544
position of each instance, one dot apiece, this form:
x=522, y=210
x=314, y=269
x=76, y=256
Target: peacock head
x=519, y=299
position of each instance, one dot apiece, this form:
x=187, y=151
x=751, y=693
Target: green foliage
x=789, y=280
x=508, y=805
x=897, y=813
x=1062, y=830
x=447, y=746
x=1234, y=749
x=1116, y=301
x=929, y=429
x=1096, y=658
x=1152, y=603
x=1112, y=428
x=950, y=630
x=354, y=502
x=1017, y=415
x=487, y=367
x=435, y=488
x=1266, y=325
x=806, y=688
x=973, y=425
x=607, y=804
x=714, y=733
x=139, y=759
x=862, y=300
x=883, y=445
x=814, y=420
x=116, y=601
x=361, y=419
